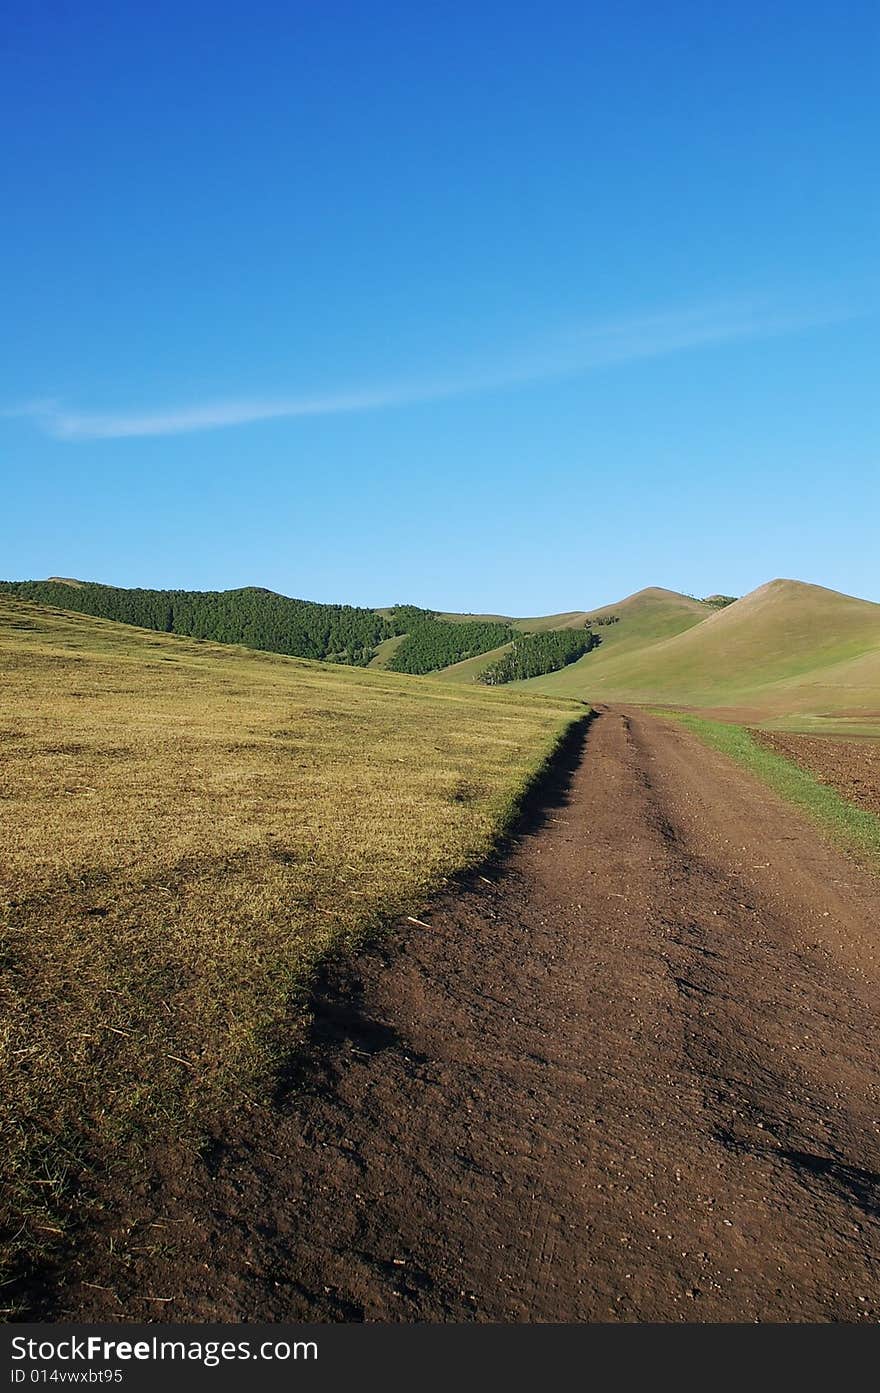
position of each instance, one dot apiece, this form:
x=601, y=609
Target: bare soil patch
x=632, y=1073
x=851, y=766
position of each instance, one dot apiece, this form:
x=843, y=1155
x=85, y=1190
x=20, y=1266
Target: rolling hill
x=646, y=617
x=568, y=619
x=787, y=648
x=469, y=669
x=643, y=618
x=787, y=653
x=251, y=615
x=377, y=638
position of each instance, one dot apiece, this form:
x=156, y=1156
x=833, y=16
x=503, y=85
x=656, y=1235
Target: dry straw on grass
x=186, y=831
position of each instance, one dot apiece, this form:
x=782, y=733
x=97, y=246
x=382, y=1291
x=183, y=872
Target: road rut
x=632, y=1072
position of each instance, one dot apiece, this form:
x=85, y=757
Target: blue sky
x=513, y=307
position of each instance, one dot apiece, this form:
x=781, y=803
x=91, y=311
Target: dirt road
x=631, y=1075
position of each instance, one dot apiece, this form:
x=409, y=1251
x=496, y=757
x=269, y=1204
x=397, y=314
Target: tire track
x=632, y=1073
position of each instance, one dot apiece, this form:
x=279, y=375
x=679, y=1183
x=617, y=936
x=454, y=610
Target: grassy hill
x=253, y=616
x=646, y=617
x=186, y=830
x=569, y=619
x=270, y=622
x=469, y=669
x=789, y=653
x=643, y=618
x=786, y=649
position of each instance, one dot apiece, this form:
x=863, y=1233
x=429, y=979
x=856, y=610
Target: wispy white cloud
x=98, y=425
x=579, y=350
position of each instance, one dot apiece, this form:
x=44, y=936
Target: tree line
x=531, y=655
x=435, y=643
x=262, y=619
x=253, y=617
x=405, y=617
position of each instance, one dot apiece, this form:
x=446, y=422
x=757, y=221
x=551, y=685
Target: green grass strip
x=854, y=827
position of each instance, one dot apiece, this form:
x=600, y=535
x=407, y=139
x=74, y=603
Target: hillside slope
x=252, y=615
x=785, y=647
x=186, y=829
x=645, y=617
x=469, y=669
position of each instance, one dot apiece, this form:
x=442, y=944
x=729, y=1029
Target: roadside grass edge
x=856, y=829
x=53, y=1212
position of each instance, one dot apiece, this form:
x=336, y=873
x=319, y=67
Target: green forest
x=405, y=617
x=253, y=617
x=435, y=643
x=534, y=654
x=262, y=619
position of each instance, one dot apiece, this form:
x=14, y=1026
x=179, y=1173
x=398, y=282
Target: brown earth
x=630, y=1074
x=851, y=766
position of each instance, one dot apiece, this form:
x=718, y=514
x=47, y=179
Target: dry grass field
x=186, y=830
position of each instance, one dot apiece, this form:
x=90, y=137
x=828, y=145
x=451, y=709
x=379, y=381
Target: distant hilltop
x=787, y=646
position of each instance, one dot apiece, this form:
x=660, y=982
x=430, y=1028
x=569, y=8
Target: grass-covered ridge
x=186, y=830
x=787, y=648
x=631, y=624
x=251, y=616
x=854, y=827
